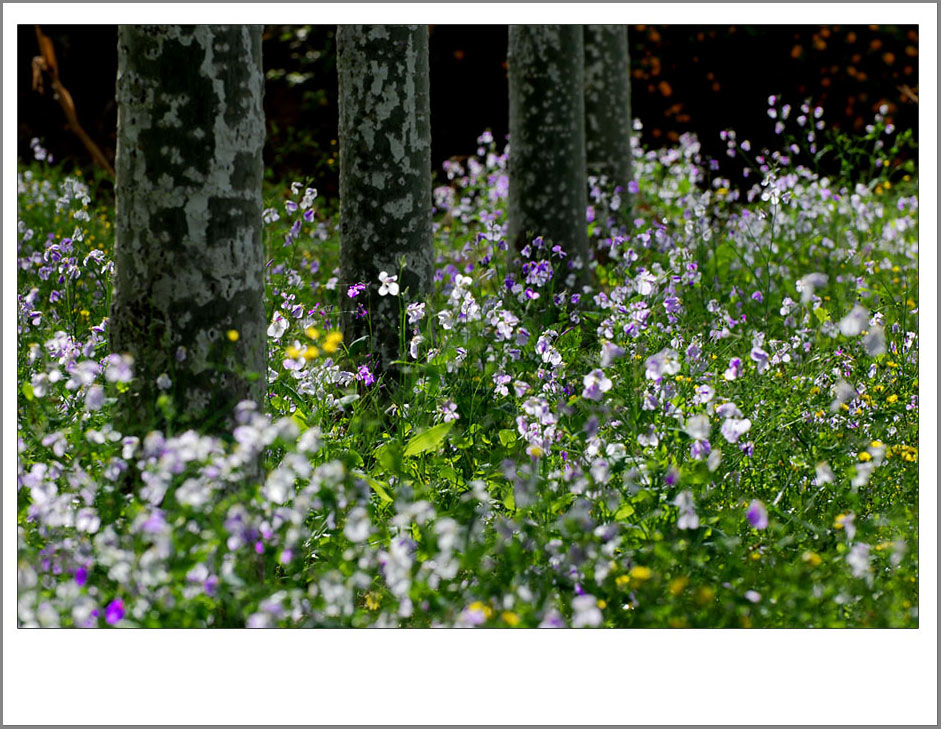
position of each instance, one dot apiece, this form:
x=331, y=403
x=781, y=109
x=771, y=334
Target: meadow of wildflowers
x=723, y=432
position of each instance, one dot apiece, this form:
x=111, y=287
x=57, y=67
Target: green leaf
x=428, y=440
x=374, y=485
x=27, y=391
x=507, y=437
x=389, y=456
x=357, y=344
x=299, y=420
x=624, y=511
x=447, y=473
x=822, y=314
x=463, y=443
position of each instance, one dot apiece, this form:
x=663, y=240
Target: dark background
x=701, y=79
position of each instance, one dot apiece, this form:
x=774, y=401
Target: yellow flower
x=876, y=444
x=640, y=573
x=511, y=619
x=812, y=558
x=292, y=352
x=311, y=353
x=704, y=594
x=332, y=342
x=602, y=604
x=372, y=602
x=622, y=580
x=864, y=456
x=677, y=585
x=838, y=521
x=232, y=335
x=479, y=607
x=312, y=332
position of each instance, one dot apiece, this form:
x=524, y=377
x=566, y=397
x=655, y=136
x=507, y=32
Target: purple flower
x=673, y=475
x=119, y=368
x=760, y=357
x=155, y=523
x=664, y=362
x=355, y=290
x=552, y=620
x=114, y=612
x=610, y=352
x=415, y=311
x=699, y=450
x=365, y=376
x=633, y=187
x=95, y=397
x=81, y=576
x=595, y=385
x=259, y=547
x=448, y=411
x=757, y=515
x=734, y=428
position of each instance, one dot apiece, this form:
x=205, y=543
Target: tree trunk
x=608, y=104
x=385, y=176
x=548, y=194
x=189, y=260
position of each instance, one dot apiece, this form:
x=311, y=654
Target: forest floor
x=723, y=433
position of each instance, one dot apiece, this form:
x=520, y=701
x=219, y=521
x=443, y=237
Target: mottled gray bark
x=385, y=176
x=189, y=258
x=547, y=193
x=608, y=104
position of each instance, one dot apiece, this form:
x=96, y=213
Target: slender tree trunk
x=608, y=104
x=385, y=176
x=548, y=194
x=189, y=275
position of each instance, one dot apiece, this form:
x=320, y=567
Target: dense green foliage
x=723, y=433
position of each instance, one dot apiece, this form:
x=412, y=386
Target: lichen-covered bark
x=547, y=193
x=189, y=258
x=385, y=175
x=608, y=104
